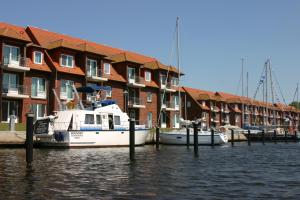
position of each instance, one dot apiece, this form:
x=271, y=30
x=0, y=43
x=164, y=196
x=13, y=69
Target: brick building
x=39, y=66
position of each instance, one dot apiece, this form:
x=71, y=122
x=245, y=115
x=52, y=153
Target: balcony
x=171, y=106
x=168, y=87
x=15, y=91
x=226, y=121
x=136, y=81
x=135, y=102
x=18, y=65
x=96, y=77
x=214, y=109
x=225, y=110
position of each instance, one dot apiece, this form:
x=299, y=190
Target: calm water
x=242, y=172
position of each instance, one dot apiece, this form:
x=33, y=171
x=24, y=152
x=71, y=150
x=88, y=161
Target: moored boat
x=101, y=125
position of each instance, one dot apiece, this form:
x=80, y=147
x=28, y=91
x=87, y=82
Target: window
x=38, y=87
x=149, y=97
x=108, y=93
x=39, y=110
x=66, y=90
x=107, y=68
x=98, y=119
x=89, y=119
x=11, y=54
x=176, y=121
x=9, y=108
x=163, y=79
x=148, y=76
x=10, y=81
x=175, y=81
x=91, y=67
x=188, y=104
x=149, y=117
x=38, y=57
x=117, y=120
x=176, y=100
x=66, y=61
x=131, y=73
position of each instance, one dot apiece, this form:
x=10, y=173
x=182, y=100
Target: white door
x=149, y=120
x=11, y=55
x=163, y=120
x=131, y=75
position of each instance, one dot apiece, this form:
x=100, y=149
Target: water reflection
x=269, y=171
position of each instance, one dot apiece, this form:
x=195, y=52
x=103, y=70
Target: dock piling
x=285, y=136
x=295, y=136
x=212, y=138
x=275, y=137
x=131, y=139
x=29, y=138
x=188, y=137
x=249, y=138
x=263, y=136
x=195, y=139
x=157, y=138
x=232, y=137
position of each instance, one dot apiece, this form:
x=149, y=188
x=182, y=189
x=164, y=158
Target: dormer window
x=148, y=76
x=38, y=57
x=175, y=81
x=107, y=68
x=66, y=61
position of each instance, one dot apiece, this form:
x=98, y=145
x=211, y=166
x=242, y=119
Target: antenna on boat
x=77, y=96
x=57, y=99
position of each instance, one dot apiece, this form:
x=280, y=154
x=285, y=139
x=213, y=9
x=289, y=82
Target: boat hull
x=91, y=139
x=181, y=139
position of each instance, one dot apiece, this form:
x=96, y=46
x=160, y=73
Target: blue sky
x=214, y=34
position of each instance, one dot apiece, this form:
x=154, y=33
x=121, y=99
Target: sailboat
x=179, y=136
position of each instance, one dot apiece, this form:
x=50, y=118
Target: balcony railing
x=136, y=81
x=168, y=86
x=98, y=76
x=136, y=102
x=214, y=108
x=15, y=91
x=19, y=64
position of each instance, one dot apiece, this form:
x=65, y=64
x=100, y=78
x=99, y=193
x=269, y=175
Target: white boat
x=179, y=137
x=102, y=125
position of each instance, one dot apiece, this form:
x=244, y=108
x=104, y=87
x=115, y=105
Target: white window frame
x=149, y=97
x=105, y=69
x=67, y=83
x=38, y=87
x=38, y=107
x=10, y=54
x=147, y=76
x=34, y=56
x=61, y=64
x=89, y=72
x=108, y=93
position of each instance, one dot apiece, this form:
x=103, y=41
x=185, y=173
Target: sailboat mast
x=178, y=65
x=243, y=109
x=272, y=90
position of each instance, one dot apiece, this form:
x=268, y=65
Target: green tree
x=295, y=104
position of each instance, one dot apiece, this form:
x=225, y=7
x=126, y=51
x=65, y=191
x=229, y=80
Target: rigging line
x=281, y=93
x=170, y=60
x=295, y=94
x=272, y=86
x=259, y=82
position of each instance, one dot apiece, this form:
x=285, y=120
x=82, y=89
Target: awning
x=92, y=88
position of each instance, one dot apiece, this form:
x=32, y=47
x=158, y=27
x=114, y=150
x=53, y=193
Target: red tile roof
x=12, y=31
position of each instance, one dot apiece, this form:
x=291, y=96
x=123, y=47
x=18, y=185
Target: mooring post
x=187, y=137
x=195, y=139
x=29, y=138
x=275, y=137
x=249, y=137
x=232, y=137
x=296, y=135
x=131, y=138
x=263, y=136
x=285, y=136
x=157, y=138
x=212, y=137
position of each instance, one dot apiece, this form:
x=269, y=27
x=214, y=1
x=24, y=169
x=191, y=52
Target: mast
x=243, y=109
x=272, y=90
x=266, y=68
x=178, y=65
